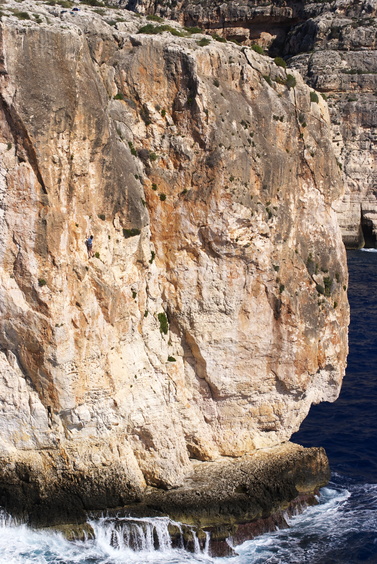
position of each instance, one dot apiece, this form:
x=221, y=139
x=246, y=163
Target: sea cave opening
x=368, y=233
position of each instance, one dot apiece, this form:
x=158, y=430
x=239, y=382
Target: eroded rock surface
x=214, y=312
x=333, y=45
x=336, y=53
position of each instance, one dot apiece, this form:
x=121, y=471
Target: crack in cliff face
x=196, y=360
x=25, y=147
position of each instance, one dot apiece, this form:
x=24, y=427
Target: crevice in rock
x=22, y=140
x=196, y=360
x=368, y=232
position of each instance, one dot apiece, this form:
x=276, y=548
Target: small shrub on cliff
x=41, y=282
x=132, y=149
x=162, y=197
x=280, y=62
x=21, y=15
x=175, y=31
x=153, y=157
x=102, y=216
x=151, y=29
x=193, y=29
x=267, y=79
x=93, y=3
x=290, y=81
x=96, y=254
x=257, y=48
x=127, y=233
x=171, y=359
x=119, y=96
x=65, y=4
x=219, y=38
x=203, y=42
x=154, y=18
x=164, y=324
x=314, y=97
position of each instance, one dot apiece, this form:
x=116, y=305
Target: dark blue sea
x=341, y=529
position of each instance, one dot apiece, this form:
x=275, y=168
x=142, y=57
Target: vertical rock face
x=336, y=53
x=214, y=311
x=333, y=45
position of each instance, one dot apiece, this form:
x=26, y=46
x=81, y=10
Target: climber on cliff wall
x=89, y=246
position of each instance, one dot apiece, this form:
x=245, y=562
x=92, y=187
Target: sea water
x=341, y=529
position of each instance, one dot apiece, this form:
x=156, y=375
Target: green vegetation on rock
x=257, y=48
x=151, y=29
x=127, y=233
x=279, y=61
x=164, y=323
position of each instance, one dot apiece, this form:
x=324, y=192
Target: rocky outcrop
x=333, y=45
x=336, y=53
x=231, y=500
x=214, y=311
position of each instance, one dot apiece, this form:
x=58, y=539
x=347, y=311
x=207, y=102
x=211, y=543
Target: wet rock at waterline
x=221, y=504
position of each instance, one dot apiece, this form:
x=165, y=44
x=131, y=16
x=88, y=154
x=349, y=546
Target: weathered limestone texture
x=336, y=52
x=333, y=45
x=214, y=312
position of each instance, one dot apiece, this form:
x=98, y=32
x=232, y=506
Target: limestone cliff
x=214, y=312
x=333, y=45
x=336, y=52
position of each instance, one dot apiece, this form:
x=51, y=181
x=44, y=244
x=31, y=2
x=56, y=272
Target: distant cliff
x=214, y=311
x=333, y=45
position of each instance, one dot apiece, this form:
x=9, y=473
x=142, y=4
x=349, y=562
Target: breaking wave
x=320, y=535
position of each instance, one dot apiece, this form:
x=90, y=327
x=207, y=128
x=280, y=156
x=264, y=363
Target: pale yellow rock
x=227, y=199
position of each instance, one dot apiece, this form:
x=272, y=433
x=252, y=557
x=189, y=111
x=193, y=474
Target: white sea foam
x=111, y=545
x=313, y=534
x=319, y=531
